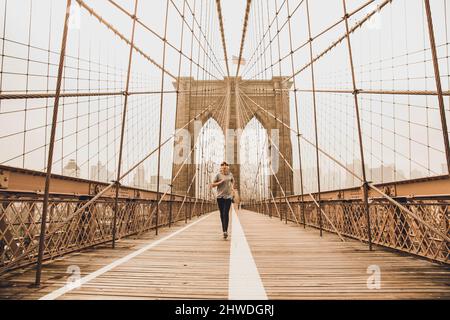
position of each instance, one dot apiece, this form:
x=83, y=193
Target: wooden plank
x=192, y=265
x=295, y=263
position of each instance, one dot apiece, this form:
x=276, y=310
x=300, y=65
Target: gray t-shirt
x=224, y=190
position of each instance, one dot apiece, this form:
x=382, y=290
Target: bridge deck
x=264, y=257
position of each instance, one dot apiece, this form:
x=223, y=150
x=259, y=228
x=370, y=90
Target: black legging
x=224, y=207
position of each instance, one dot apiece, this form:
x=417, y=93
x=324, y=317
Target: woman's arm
x=216, y=181
x=215, y=184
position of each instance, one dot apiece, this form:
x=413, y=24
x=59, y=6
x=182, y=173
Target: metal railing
x=20, y=219
x=390, y=226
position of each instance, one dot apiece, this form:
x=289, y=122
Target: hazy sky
x=401, y=133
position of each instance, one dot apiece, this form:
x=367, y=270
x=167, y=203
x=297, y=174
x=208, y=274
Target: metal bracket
x=390, y=191
x=4, y=179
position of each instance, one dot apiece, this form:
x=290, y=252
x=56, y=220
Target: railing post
x=52, y=145
x=170, y=206
x=194, y=206
x=186, y=203
x=202, y=212
x=190, y=209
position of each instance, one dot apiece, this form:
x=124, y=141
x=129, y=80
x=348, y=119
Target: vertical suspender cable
x=52, y=145
x=319, y=207
x=124, y=119
x=358, y=121
x=438, y=82
x=161, y=107
x=244, y=32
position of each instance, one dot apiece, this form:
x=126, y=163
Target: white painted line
x=244, y=282
x=71, y=286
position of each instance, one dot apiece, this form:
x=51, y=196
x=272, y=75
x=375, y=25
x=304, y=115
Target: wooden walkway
x=194, y=262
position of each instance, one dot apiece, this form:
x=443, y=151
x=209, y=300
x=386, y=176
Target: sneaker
x=225, y=235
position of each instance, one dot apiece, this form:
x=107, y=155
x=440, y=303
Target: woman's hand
x=215, y=184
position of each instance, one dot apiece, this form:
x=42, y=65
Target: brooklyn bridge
x=115, y=116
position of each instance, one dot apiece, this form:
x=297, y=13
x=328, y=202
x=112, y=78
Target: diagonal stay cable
x=359, y=24
x=301, y=136
x=196, y=173
x=271, y=166
x=222, y=33
x=372, y=186
x=160, y=37
x=121, y=36
x=218, y=108
x=312, y=197
x=244, y=32
x=107, y=188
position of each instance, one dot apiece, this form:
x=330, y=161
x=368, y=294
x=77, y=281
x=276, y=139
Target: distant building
x=100, y=173
x=416, y=174
x=356, y=168
x=71, y=169
x=386, y=173
x=309, y=180
x=338, y=179
x=164, y=184
x=139, y=177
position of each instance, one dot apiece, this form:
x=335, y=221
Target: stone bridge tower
x=272, y=95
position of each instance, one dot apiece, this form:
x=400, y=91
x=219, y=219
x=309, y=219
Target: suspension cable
x=244, y=32
x=222, y=33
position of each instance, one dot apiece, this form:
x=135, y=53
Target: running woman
x=224, y=182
